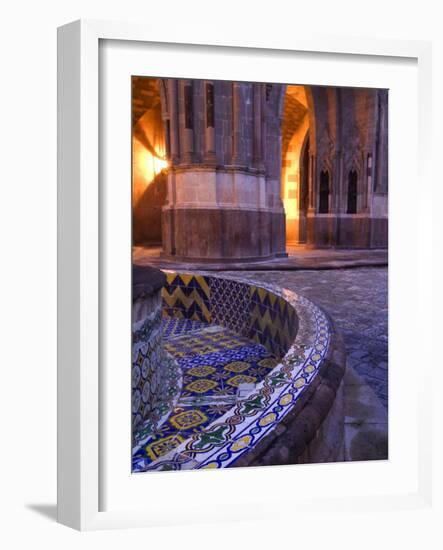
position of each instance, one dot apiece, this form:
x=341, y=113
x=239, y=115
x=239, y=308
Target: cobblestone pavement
x=357, y=300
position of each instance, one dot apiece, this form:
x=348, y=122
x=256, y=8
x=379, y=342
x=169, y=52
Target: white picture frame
x=81, y=473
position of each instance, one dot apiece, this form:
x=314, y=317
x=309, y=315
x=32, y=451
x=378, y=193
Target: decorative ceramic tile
x=187, y=296
x=172, y=380
x=278, y=322
x=149, y=384
x=173, y=326
x=230, y=304
x=211, y=378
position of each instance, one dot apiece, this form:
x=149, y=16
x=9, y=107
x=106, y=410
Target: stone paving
x=357, y=300
x=299, y=257
x=365, y=422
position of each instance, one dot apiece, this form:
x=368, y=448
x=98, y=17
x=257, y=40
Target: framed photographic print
x=228, y=217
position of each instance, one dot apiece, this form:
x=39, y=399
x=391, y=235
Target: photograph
x=259, y=274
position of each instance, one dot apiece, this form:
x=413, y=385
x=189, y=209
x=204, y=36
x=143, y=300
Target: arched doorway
x=295, y=162
x=352, y=192
x=324, y=192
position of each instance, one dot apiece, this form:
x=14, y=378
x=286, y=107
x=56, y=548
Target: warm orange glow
x=148, y=152
x=291, y=171
x=160, y=164
x=146, y=166
x=296, y=124
x=150, y=165
x=299, y=93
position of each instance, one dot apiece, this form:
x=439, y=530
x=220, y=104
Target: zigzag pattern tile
x=249, y=310
x=273, y=322
x=187, y=296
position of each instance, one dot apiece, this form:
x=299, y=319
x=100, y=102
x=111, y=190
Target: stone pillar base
x=224, y=234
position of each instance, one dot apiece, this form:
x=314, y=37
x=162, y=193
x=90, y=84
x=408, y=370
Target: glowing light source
x=160, y=164
x=147, y=166
x=148, y=151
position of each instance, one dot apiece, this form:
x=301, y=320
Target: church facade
x=237, y=170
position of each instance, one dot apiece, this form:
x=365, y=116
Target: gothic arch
x=324, y=194
x=352, y=192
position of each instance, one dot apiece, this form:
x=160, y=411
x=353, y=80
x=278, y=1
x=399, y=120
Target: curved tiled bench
x=292, y=415
x=253, y=311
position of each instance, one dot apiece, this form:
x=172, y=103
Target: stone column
x=336, y=184
x=236, y=124
x=223, y=200
x=312, y=199
x=370, y=178
x=209, y=120
x=342, y=185
x=381, y=162
x=173, y=120
x=312, y=180
x=263, y=124
x=186, y=117
x=257, y=142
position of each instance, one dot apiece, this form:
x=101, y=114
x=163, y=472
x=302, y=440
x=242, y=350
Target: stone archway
x=297, y=119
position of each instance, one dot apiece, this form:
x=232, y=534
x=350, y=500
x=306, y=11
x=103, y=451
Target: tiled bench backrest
x=148, y=353
x=244, y=308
